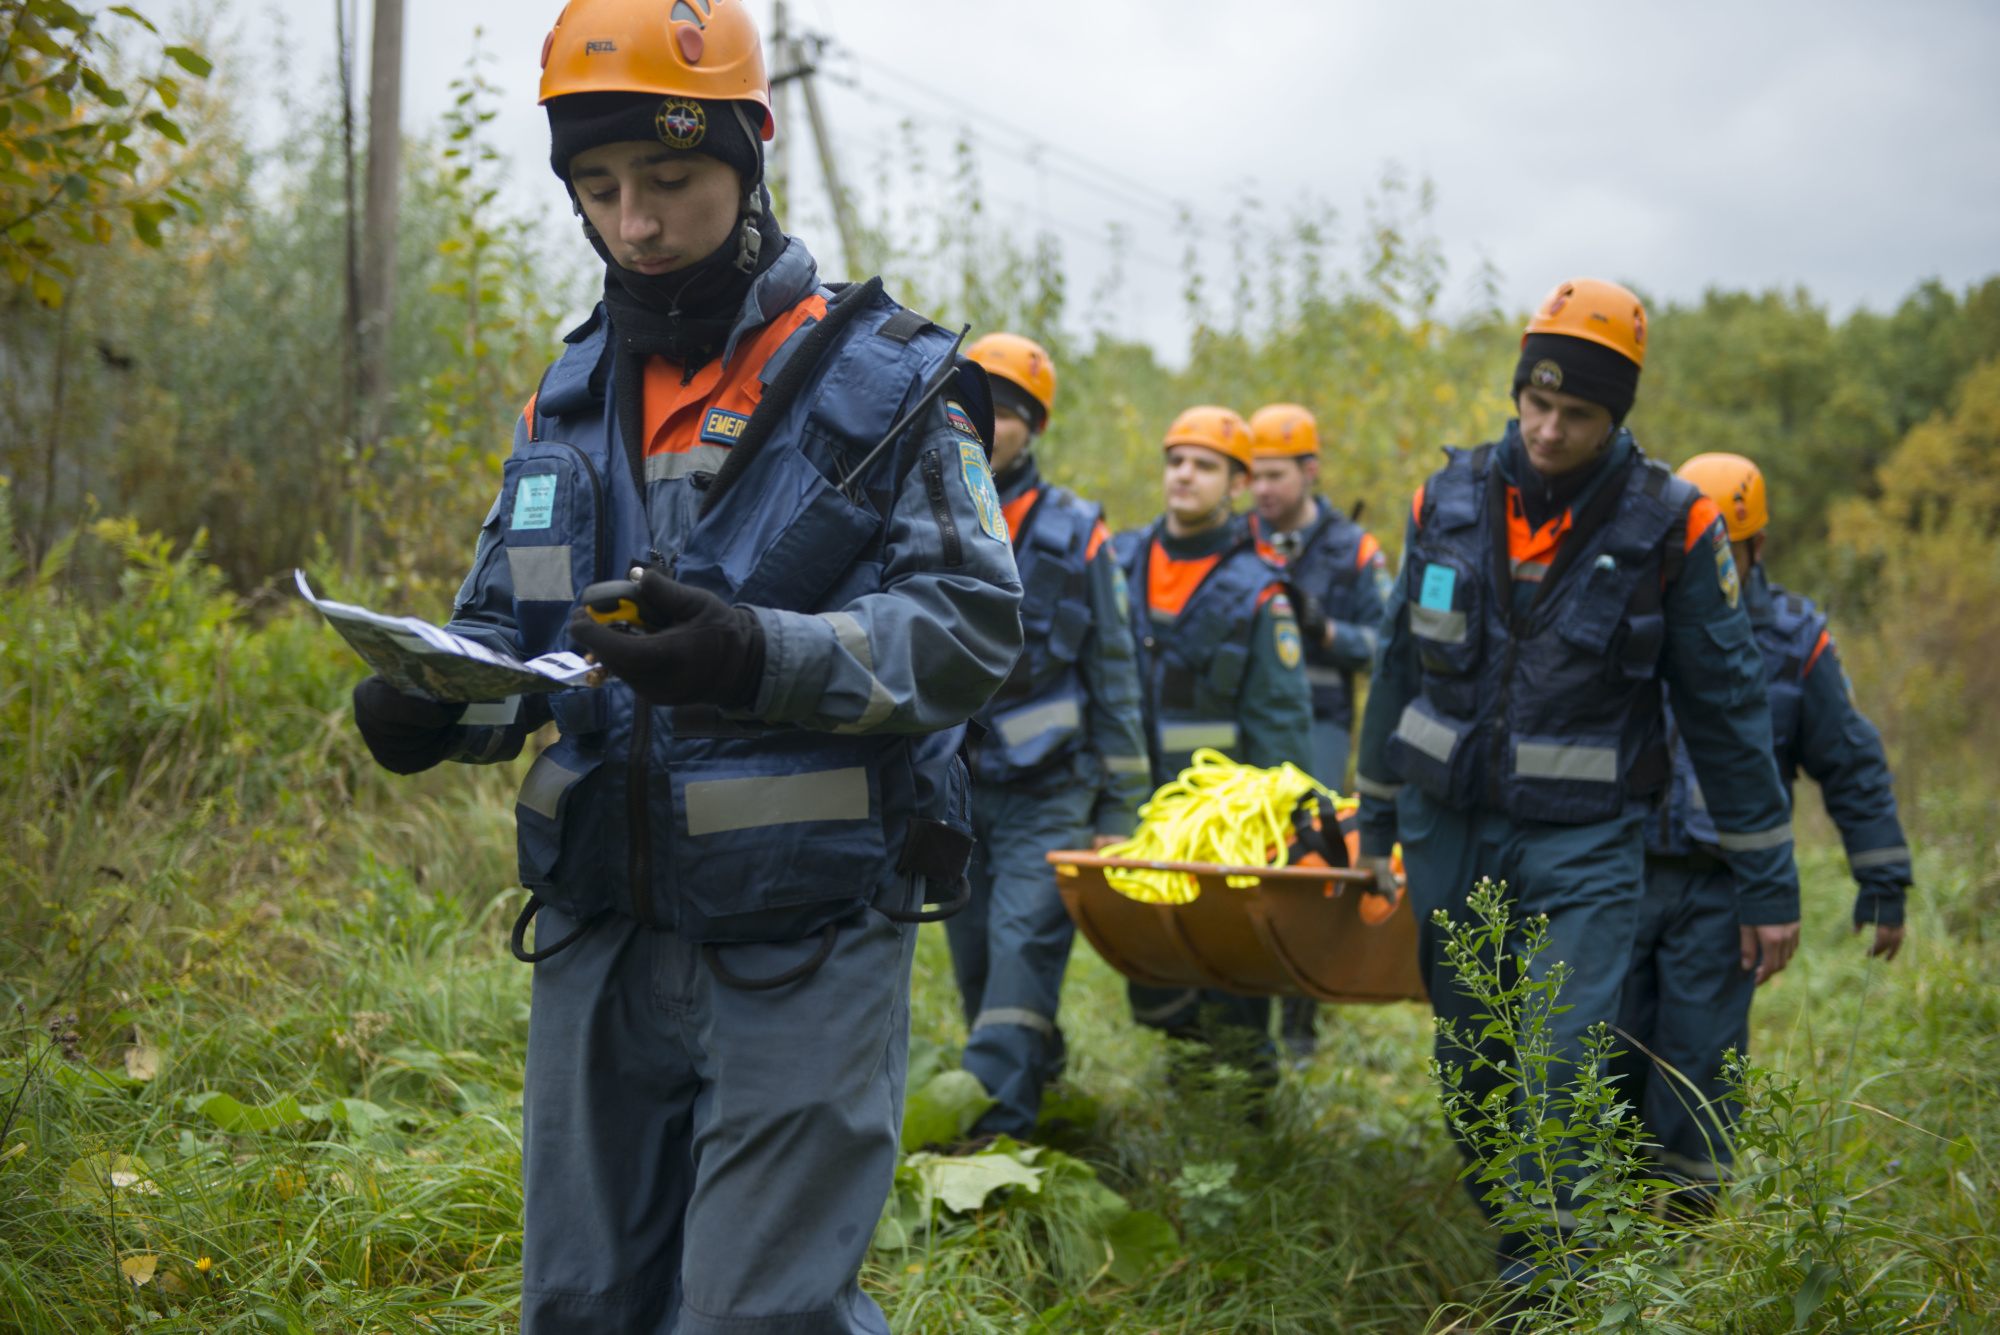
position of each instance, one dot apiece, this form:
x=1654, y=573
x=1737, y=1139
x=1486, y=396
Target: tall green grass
x=228, y=900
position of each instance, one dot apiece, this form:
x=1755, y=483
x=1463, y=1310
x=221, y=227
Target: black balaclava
x=685, y=315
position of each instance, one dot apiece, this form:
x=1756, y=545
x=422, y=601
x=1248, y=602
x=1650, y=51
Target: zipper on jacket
x=941, y=508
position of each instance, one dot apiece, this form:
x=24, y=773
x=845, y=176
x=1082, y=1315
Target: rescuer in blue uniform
x=1220, y=659
x=1062, y=759
x=1552, y=583
x=1337, y=581
x=1687, y=998
x=731, y=836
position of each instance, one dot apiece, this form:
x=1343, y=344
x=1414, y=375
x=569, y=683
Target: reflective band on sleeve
x=1127, y=765
x=1367, y=787
x=1435, y=624
x=491, y=713
x=1023, y=727
x=1027, y=1019
x=542, y=791
x=1194, y=736
x=1545, y=760
x=700, y=459
x=1166, y=1010
x=1325, y=676
x=1878, y=857
x=541, y=574
x=1426, y=734
x=716, y=805
x=1696, y=796
x=1752, y=843
x=847, y=629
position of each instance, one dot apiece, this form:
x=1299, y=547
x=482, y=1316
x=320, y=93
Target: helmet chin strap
x=749, y=241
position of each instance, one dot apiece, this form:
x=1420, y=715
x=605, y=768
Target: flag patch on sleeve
x=960, y=421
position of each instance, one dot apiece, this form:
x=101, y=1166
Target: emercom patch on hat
x=680, y=122
x=1546, y=375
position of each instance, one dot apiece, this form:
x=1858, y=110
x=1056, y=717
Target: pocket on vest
x=1572, y=779
x=755, y=832
x=1445, y=614
x=1435, y=752
x=556, y=802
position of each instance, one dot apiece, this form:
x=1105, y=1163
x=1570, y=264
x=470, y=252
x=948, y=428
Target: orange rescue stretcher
x=1292, y=931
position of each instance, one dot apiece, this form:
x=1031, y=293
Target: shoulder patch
x=979, y=484
x=960, y=420
x=1725, y=573
x=1286, y=638
x=719, y=426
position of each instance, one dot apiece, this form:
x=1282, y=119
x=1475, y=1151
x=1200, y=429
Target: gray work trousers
x=698, y=1159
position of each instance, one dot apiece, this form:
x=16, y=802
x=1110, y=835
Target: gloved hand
x=1385, y=876
x=405, y=733
x=704, y=652
x=1311, y=614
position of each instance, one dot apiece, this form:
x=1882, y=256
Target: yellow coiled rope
x=1216, y=811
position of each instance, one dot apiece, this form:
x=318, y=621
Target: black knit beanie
x=582, y=121
x=1018, y=401
x=1581, y=367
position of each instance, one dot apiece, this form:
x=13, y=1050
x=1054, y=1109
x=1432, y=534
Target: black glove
x=1311, y=614
x=705, y=652
x=405, y=733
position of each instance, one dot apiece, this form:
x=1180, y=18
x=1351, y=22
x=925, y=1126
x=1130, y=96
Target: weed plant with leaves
x=1554, y=1152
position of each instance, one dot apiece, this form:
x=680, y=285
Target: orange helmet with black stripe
x=706, y=49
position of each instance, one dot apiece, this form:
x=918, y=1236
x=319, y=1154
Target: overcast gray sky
x=1850, y=147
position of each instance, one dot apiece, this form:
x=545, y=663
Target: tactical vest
x=1788, y=631
x=1036, y=719
x=1327, y=566
x=1553, y=715
x=723, y=830
x=1193, y=667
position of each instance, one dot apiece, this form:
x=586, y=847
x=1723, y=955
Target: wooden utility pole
x=350, y=325
x=378, y=248
x=781, y=113
x=794, y=63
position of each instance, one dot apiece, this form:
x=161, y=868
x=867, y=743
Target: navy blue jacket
x=1816, y=727
x=1069, y=712
x=1334, y=559
x=1542, y=699
x=889, y=611
x=1227, y=671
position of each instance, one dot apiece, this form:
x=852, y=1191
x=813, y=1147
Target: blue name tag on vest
x=1439, y=581
x=722, y=427
x=535, y=502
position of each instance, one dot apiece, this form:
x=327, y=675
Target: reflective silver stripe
x=1532, y=572
x=1325, y=676
x=1020, y=728
x=542, y=791
x=1193, y=736
x=1166, y=1010
x=716, y=805
x=1027, y=1019
x=1548, y=760
x=1426, y=734
x=1367, y=787
x=847, y=629
x=491, y=713
x=1878, y=857
x=1752, y=843
x=1698, y=798
x=541, y=574
x=701, y=459
x=1127, y=765
x=1434, y=623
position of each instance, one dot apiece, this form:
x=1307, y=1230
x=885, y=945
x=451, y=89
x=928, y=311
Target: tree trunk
x=378, y=246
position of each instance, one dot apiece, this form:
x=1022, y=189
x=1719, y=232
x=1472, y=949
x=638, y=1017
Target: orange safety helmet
x=1283, y=431
x=1213, y=428
x=707, y=49
x=1736, y=486
x=1023, y=362
x=1590, y=308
